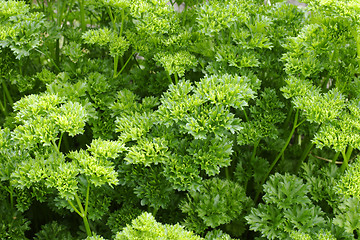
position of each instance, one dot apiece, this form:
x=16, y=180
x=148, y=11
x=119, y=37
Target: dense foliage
x=157, y=119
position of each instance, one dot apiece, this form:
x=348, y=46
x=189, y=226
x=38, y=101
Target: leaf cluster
x=286, y=208
x=113, y=109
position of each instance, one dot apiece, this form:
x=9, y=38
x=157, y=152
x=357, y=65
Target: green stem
x=57, y=52
x=155, y=211
x=169, y=77
x=122, y=21
x=7, y=93
x=82, y=15
x=346, y=156
x=176, y=78
x=41, y=3
x=295, y=125
x=55, y=146
x=122, y=69
x=256, y=144
x=59, y=144
x=80, y=206
x=87, y=226
x=345, y=161
x=50, y=9
x=336, y=156
x=112, y=18
x=227, y=173
x=83, y=215
x=51, y=60
x=306, y=152
x=60, y=11
x=246, y=116
x=121, y=29
x=136, y=61
x=349, y=152
x=184, y=13
x=357, y=38
x=74, y=208
x=288, y=118
x=304, y=155
x=68, y=12
x=87, y=197
x=2, y=107
x=10, y=190
x=116, y=62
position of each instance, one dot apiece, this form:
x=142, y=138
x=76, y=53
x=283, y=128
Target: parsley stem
x=153, y=210
x=7, y=93
x=169, y=77
x=80, y=205
x=81, y=214
x=116, y=62
x=82, y=15
x=2, y=107
x=289, y=115
x=55, y=146
x=112, y=18
x=122, y=21
x=295, y=125
x=51, y=60
x=59, y=144
x=256, y=144
x=176, y=78
x=304, y=155
x=74, y=208
x=307, y=149
x=57, y=52
x=84, y=213
x=127, y=61
x=227, y=174
x=357, y=39
x=346, y=156
x=10, y=190
x=42, y=4
x=87, y=197
x=246, y=116
x=87, y=227
x=336, y=156
x=50, y=9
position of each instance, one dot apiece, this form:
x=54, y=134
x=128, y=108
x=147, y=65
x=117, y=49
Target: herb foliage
x=157, y=119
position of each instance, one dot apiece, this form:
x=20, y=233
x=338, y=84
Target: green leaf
x=118, y=46
x=71, y=118
x=215, y=202
x=230, y=90
x=98, y=36
x=283, y=189
x=348, y=215
x=98, y=171
x=11, y=8
x=106, y=149
x=146, y=227
x=181, y=172
x=148, y=183
x=53, y=230
x=286, y=208
x=148, y=152
x=176, y=63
